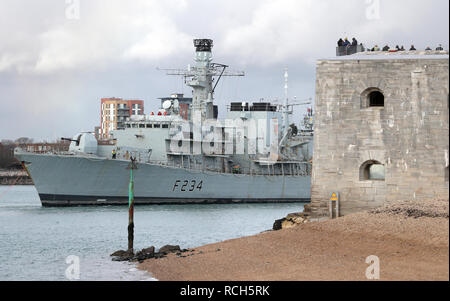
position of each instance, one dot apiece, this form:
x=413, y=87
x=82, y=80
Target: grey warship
x=254, y=155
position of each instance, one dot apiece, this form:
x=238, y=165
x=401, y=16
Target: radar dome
x=167, y=104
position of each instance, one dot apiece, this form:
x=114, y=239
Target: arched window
x=372, y=171
x=372, y=97
x=376, y=99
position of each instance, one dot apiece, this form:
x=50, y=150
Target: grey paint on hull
x=77, y=180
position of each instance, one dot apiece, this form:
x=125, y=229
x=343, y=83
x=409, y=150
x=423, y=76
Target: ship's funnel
x=203, y=45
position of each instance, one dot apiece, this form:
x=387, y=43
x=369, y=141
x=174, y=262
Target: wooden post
x=132, y=166
x=331, y=209
x=338, y=204
x=334, y=198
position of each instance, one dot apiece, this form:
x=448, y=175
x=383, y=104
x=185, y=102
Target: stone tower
x=381, y=129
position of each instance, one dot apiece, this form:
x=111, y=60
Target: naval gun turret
x=85, y=143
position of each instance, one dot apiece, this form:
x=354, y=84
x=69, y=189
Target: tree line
x=7, y=160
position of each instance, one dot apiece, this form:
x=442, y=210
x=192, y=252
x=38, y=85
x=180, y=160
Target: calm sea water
x=35, y=241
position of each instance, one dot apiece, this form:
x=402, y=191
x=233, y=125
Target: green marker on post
x=131, y=190
x=131, y=166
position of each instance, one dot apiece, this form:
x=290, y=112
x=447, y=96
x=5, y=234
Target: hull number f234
x=187, y=185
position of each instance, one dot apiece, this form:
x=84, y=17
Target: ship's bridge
x=151, y=121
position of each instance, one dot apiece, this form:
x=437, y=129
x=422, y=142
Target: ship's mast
x=202, y=98
x=201, y=79
x=286, y=102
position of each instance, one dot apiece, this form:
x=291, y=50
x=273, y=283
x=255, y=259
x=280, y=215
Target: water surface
x=35, y=241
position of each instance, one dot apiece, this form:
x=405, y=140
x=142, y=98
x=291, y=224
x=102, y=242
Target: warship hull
x=63, y=180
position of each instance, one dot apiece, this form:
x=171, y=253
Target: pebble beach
x=411, y=240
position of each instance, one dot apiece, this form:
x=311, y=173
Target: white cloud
x=106, y=32
x=277, y=31
x=61, y=50
x=255, y=32
x=9, y=60
x=160, y=38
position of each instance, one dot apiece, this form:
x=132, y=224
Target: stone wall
x=409, y=135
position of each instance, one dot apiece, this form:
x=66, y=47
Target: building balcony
x=123, y=113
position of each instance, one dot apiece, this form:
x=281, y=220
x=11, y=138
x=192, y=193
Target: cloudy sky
x=59, y=57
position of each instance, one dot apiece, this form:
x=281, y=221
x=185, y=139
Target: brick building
x=113, y=114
